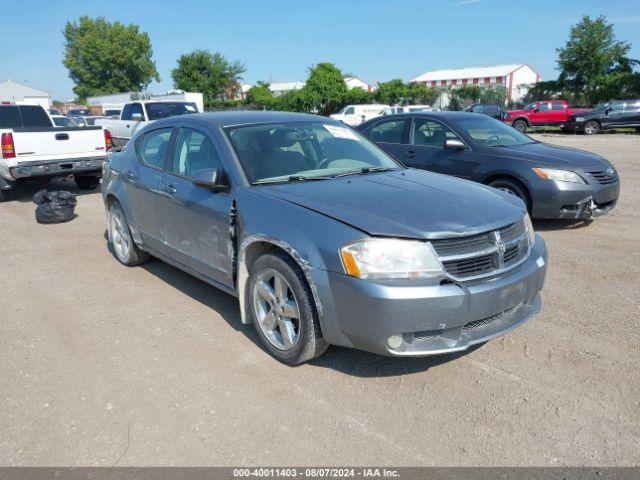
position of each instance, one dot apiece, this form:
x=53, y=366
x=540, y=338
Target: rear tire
x=87, y=182
x=124, y=248
x=513, y=188
x=591, y=127
x=277, y=293
x=4, y=195
x=520, y=125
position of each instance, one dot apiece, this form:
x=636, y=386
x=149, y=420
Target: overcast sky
x=279, y=40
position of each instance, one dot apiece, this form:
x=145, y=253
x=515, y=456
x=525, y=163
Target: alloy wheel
x=276, y=309
x=120, y=237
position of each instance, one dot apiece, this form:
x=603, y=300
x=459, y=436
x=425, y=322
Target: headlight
x=558, y=175
x=579, y=119
x=390, y=258
x=530, y=232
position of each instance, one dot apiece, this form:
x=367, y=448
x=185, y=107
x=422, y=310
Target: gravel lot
x=101, y=364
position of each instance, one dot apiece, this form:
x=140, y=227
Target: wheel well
x=110, y=199
x=502, y=176
x=257, y=249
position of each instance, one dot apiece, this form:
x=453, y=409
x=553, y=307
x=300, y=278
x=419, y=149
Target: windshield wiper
x=291, y=179
x=364, y=170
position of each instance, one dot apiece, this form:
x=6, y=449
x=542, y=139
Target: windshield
x=169, y=109
x=491, y=132
x=304, y=151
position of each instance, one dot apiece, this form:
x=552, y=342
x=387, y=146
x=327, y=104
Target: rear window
x=18, y=116
x=169, y=109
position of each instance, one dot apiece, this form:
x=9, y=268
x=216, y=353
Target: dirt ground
x=105, y=365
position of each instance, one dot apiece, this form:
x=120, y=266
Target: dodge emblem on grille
x=500, y=246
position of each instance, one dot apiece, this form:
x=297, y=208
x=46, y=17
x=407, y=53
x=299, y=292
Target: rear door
x=632, y=110
x=558, y=113
x=195, y=220
x=142, y=182
x=426, y=149
x=392, y=135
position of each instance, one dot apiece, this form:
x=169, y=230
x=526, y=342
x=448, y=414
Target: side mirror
x=210, y=178
x=137, y=117
x=536, y=110
x=454, y=144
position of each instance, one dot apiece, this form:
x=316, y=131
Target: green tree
x=260, y=96
x=357, y=96
x=105, y=57
x=392, y=92
x=592, y=51
x=421, y=94
x=209, y=73
x=325, y=89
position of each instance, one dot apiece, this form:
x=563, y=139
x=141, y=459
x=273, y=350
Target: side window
x=154, y=146
x=350, y=111
x=478, y=109
x=429, y=133
x=543, y=107
x=389, y=132
x=557, y=106
x=492, y=110
x=126, y=112
x=136, y=108
x=617, y=106
x=194, y=151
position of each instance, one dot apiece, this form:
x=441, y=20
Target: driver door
x=427, y=150
x=195, y=220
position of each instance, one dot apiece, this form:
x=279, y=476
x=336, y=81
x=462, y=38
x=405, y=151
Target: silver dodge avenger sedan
x=322, y=236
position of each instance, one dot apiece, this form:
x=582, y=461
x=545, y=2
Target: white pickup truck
x=136, y=115
x=32, y=147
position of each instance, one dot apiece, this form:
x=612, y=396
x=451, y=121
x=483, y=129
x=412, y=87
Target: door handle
x=410, y=154
x=170, y=189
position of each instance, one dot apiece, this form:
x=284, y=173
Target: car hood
x=406, y=203
x=552, y=156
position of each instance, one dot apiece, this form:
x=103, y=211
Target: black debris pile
x=54, y=207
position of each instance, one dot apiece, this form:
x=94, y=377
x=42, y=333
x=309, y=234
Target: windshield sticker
x=341, y=132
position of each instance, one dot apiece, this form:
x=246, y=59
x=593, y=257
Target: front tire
x=87, y=183
x=124, y=248
x=520, y=125
x=283, y=310
x=591, y=128
x=513, y=188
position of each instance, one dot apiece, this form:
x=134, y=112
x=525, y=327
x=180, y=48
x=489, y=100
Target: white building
x=117, y=100
x=517, y=78
x=13, y=92
x=355, y=82
x=280, y=88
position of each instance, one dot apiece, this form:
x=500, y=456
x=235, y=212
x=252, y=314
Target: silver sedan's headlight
x=558, y=175
x=390, y=258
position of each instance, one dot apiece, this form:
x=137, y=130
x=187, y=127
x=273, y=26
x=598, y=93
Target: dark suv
x=491, y=109
x=613, y=114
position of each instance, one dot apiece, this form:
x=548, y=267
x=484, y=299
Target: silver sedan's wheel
x=120, y=236
x=276, y=309
x=125, y=249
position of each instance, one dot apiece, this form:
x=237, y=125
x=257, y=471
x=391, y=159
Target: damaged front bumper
x=430, y=319
x=564, y=200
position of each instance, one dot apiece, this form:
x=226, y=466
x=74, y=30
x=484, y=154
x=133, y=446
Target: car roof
x=245, y=117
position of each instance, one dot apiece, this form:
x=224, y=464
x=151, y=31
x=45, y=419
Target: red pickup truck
x=541, y=114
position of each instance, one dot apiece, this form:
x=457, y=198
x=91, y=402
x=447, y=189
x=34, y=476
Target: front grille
x=484, y=322
x=604, y=177
x=483, y=254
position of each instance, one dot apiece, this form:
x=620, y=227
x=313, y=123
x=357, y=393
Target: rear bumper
x=57, y=167
x=564, y=200
x=431, y=319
